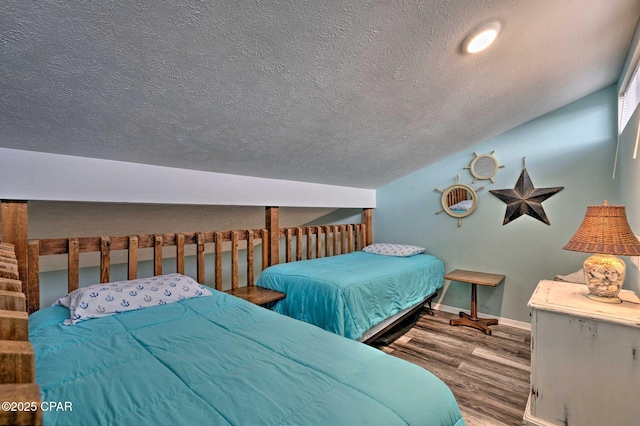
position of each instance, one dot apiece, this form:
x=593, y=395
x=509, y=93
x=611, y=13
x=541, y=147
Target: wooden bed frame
x=20, y=275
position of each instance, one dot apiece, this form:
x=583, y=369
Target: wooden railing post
x=250, y=256
x=180, y=253
x=73, y=265
x=132, y=262
x=367, y=222
x=264, y=236
x=234, y=260
x=298, y=244
x=218, y=260
x=105, y=259
x=157, y=255
x=200, y=257
x=273, y=226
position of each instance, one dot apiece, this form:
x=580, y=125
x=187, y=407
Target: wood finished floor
x=489, y=375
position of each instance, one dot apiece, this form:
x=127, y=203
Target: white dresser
x=585, y=358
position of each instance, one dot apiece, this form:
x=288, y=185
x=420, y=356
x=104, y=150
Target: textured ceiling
x=355, y=93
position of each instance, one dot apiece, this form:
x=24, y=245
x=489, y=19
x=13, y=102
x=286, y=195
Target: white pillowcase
x=388, y=249
x=101, y=300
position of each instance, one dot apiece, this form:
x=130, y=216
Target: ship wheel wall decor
x=458, y=200
x=484, y=167
x=525, y=199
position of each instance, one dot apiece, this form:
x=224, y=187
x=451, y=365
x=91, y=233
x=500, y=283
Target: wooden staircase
x=19, y=393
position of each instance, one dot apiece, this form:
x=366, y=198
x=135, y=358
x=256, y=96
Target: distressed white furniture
x=585, y=358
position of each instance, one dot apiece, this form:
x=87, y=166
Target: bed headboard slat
x=73, y=262
x=157, y=255
x=180, y=253
x=318, y=241
x=298, y=244
x=234, y=260
x=132, y=258
x=200, y=258
x=327, y=241
x=218, y=261
x=365, y=233
x=265, y=248
x=250, y=273
x=309, y=241
x=287, y=234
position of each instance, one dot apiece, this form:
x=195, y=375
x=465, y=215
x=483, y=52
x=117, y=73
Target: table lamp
x=606, y=233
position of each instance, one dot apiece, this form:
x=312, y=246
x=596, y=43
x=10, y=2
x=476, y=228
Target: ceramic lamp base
x=604, y=276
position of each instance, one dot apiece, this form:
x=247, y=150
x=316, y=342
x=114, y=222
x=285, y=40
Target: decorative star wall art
x=525, y=199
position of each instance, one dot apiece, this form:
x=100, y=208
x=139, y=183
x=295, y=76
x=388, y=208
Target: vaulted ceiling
x=355, y=93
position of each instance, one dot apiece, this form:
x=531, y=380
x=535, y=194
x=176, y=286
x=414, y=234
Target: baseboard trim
x=529, y=420
x=504, y=321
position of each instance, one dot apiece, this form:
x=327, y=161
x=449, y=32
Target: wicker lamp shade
x=605, y=230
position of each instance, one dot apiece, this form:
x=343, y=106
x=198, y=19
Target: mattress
x=222, y=360
x=350, y=293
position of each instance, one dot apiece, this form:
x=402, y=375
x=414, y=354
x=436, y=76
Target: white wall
x=27, y=175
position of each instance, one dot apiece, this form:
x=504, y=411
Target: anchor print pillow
x=101, y=300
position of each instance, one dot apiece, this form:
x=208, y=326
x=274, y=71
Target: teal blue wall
x=572, y=147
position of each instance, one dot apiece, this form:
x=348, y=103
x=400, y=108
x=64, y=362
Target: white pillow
x=101, y=300
x=387, y=249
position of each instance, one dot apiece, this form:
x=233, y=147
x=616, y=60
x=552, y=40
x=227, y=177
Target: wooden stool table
x=474, y=278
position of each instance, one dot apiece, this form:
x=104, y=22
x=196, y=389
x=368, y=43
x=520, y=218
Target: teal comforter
x=350, y=293
x=221, y=360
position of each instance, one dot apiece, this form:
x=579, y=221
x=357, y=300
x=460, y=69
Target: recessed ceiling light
x=481, y=38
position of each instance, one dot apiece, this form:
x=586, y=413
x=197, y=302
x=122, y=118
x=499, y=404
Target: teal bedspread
x=221, y=360
x=350, y=293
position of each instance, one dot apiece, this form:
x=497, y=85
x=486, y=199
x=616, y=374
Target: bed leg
x=430, y=310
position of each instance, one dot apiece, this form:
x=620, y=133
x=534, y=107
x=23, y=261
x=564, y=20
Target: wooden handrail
x=336, y=239
x=341, y=236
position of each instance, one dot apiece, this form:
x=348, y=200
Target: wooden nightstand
x=257, y=295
